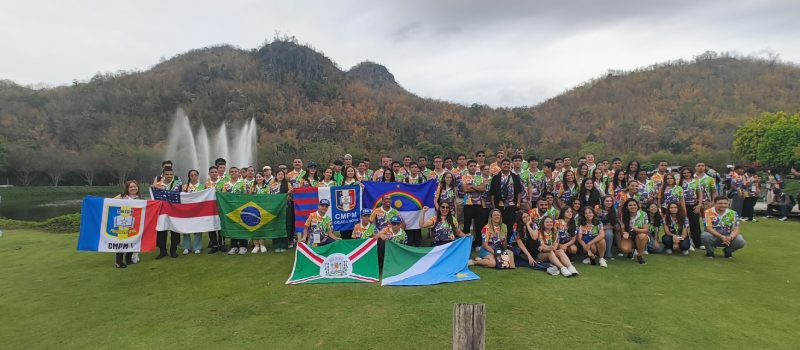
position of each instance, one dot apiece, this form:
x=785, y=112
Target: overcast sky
x=501, y=53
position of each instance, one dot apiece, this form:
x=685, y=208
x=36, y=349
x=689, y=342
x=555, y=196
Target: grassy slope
x=55, y=297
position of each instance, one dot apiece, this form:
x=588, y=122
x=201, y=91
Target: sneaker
x=782, y=219
x=641, y=260
x=745, y=219
x=768, y=217
x=603, y=263
x=753, y=220
x=135, y=258
x=691, y=248
x=728, y=252
x=470, y=262
x=242, y=250
x=620, y=254
x=573, y=270
x=587, y=261
x=197, y=251
x=232, y=251
x=263, y=249
x=565, y=272
x=702, y=247
x=646, y=253
x=256, y=249
x=668, y=251
x=553, y=271
x=186, y=252
x=280, y=250
x=685, y=252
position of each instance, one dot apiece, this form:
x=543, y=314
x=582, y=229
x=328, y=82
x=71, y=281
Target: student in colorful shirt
x=280, y=184
x=670, y=192
x=249, y=179
x=656, y=221
x=589, y=195
x=634, y=230
x=350, y=178
x=600, y=181
x=261, y=186
x=524, y=177
x=676, y=230
x=310, y=176
x=591, y=237
x=387, y=175
x=536, y=184
x=129, y=191
x=446, y=192
x=494, y=240
x=707, y=186
x=647, y=189
x=364, y=229
x=751, y=190
x=318, y=230
x=567, y=189
x=327, y=179
x=194, y=185
x=235, y=185
x=566, y=227
x=296, y=175
x=549, y=248
x=382, y=215
x=607, y=214
x=722, y=229
x=168, y=181
x=473, y=186
x=415, y=177
x=693, y=198
x=394, y=231
x=444, y=225
x=618, y=185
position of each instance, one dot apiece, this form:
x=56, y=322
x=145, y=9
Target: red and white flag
x=186, y=212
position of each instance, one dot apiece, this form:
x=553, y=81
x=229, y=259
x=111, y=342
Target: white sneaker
x=135, y=258
x=587, y=261
x=768, y=217
x=263, y=249
x=620, y=254
x=691, y=248
x=668, y=251
x=232, y=251
x=702, y=247
x=603, y=263
x=280, y=250
x=646, y=253
x=186, y=252
x=242, y=250
x=256, y=249
x=197, y=251
x=553, y=271
x=573, y=270
x=685, y=252
x=565, y=272
x=783, y=219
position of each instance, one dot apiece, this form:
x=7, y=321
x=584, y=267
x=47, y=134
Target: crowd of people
x=522, y=212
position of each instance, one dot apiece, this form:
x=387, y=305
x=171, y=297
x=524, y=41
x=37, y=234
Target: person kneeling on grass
x=722, y=229
x=318, y=230
x=548, y=248
x=364, y=229
x=592, y=237
x=494, y=244
x=634, y=230
x=676, y=230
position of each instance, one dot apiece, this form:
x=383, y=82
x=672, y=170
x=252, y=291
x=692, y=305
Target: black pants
x=215, y=240
x=783, y=209
x=414, y=237
x=694, y=224
x=238, y=243
x=474, y=214
x=667, y=241
x=381, y=252
x=126, y=256
x=347, y=234
x=161, y=241
x=747, y=207
x=509, y=216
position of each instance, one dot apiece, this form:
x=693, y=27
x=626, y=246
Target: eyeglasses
x=445, y=207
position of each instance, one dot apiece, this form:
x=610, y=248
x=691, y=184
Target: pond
x=42, y=203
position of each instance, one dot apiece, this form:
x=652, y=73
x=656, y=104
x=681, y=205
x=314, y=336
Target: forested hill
x=304, y=104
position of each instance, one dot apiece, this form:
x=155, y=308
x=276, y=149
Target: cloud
x=501, y=53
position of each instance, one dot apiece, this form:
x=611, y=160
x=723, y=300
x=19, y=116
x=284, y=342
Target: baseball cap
x=395, y=220
x=366, y=212
x=266, y=167
x=348, y=156
x=324, y=202
x=312, y=164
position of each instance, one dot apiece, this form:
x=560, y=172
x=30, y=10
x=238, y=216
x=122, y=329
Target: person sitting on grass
x=656, y=222
x=566, y=227
x=548, y=248
x=494, y=239
x=676, y=230
x=318, y=229
x=524, y=240
x=722, y=229
x=634, y=230
x=591, y=236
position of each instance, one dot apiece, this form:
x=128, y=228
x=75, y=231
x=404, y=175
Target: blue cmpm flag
x=118, y=225
x=411, y=266
x=408, y=199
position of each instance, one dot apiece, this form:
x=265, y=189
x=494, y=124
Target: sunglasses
x=324, y=205
x=481, y=155
x=445, y=207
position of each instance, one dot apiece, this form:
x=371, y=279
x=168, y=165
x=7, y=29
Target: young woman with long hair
x=130, y=190
x=635, y=228
x=676, y=230
x=591, y=237
x=549, y=248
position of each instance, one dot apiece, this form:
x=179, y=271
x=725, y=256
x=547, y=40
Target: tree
x=22, y=161
x=55, y=162
x=749, y=136
x=2, y=154
x=777, y=148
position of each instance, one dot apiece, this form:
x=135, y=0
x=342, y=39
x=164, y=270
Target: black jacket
x=494, y=188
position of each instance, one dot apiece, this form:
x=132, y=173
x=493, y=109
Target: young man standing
x=461, y=164
x=473, y=186
x=495, y=167
x=167, y=182
x=480, y=158
x=659, y=176
x=505, y=191
x=296, y=174
x=537, y=183
x=422, y=161
x=524, y=177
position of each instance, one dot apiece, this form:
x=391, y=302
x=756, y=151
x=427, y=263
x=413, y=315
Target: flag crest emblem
x=346, y=199
x=122, y=222
x=250, y=216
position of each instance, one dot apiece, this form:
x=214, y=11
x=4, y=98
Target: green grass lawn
x=52, y=296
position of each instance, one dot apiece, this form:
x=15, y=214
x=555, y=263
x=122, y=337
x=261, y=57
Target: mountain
x=305, y=105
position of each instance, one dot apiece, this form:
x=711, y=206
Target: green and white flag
x=352, y=260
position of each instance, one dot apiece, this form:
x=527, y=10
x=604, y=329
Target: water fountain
x=189, y=150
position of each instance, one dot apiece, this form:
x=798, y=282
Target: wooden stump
x=469, y=326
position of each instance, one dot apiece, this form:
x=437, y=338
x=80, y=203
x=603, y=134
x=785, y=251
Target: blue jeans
x=198, y=241
x=609, y=241
x=683, y=245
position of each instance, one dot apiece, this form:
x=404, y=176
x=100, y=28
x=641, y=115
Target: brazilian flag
x=252, y=216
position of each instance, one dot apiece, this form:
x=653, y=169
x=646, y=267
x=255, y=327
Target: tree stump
x=469, y=326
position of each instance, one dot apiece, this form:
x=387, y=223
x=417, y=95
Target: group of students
x=524, y=215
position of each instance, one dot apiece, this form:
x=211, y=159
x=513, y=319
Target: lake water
x=40, y=207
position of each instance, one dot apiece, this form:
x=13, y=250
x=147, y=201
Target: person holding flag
x=167, y=181
x=364, y=229
x=318, y=229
